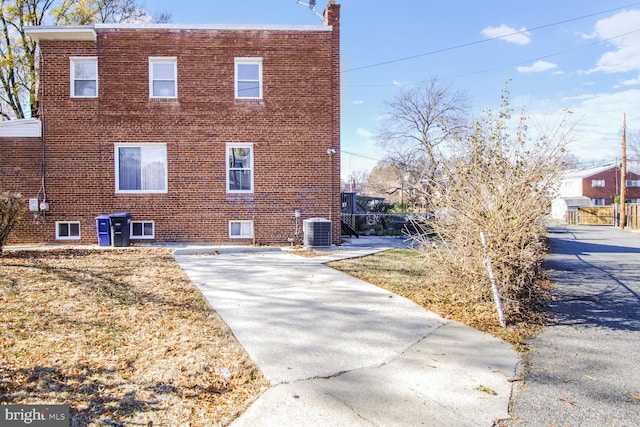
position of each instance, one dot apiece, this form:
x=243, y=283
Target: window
x=598, y=202
x=163, y=78
x=240, y=229
x=633, y=201
x=67, y=230
x=141, y=168
x=597, y=182
x=633, y=183
x=239, y=168
x=84, y=77
x=142, y=229
x=248, y=78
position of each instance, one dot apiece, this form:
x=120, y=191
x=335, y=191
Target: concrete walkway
x=339, y=351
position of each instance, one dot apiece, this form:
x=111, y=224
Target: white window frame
x=633, y=182
x=69, y=236
x=229, y=169
x=600, y=183
x=163, y=60
x=248, y=230
x=599, y=202
x=72, y=71
x=142, y=146
x=143, y=236
x=247, y=61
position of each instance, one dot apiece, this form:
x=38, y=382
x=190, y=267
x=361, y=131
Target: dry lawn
x=120, y=335
x=403, y=272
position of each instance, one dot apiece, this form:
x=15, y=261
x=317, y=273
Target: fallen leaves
x=120, y=335
x=486, y=390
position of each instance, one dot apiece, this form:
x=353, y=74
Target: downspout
x=42, y=205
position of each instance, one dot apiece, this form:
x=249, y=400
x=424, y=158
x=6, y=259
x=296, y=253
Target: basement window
x=240, y=229
x=142, y=229
x=67, y=230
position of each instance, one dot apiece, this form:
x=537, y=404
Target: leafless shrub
x=11, y=209
x=500, y=183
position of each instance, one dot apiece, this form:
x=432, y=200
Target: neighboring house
x=201, y=133
x=593, y=187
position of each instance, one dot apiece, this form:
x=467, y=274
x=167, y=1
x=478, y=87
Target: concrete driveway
x=585, y=368
x=340, y=351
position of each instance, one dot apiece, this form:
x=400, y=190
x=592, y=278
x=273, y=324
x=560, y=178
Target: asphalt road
x=584, y=370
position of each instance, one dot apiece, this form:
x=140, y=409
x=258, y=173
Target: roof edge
x=58, y=32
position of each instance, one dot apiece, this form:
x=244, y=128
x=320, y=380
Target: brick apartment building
x=200, y=133
x=601, y=185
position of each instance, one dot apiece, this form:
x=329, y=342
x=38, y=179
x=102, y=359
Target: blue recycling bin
x=120, y=224
x=103, y=227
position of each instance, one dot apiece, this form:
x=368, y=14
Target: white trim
x=241, y=236
x=226, y=161
x=76, y=59
x=163, y=60
x=230, y=27
x=143, y=236
x=56, y=32
x=142, y=145
x=58, y=237
x=249, y=61
x=21, y=128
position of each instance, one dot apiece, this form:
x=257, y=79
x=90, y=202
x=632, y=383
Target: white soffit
x=56, y=32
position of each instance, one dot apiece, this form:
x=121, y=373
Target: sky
x=580, y=55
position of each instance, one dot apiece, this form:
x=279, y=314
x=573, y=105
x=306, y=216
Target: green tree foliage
x=19, y=54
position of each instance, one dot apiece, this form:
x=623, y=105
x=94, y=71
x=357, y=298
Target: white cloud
x=621, y=31
x=357, y=102
x=508, y=34
x=537, y=67
x=631, y=82
x=397, y=83
x=364, y=133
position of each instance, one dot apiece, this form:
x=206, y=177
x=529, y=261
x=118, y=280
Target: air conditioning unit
x=317, y=232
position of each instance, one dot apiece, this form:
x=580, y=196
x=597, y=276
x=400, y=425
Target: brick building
x=601, y=185
x=200, y=133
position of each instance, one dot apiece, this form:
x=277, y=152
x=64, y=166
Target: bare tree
x=11, y=209
x=427, y=117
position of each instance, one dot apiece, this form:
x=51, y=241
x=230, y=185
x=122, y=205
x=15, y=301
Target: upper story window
x=633, y=183
x=84, y=77
x=597, y=182
x=141, y=168
x=163, y=77
x=248, y=78
x=239, y=168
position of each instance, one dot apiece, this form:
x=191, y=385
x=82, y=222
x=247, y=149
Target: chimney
x=332, y=14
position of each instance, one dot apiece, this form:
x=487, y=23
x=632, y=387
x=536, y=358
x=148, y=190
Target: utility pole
x=623, y=175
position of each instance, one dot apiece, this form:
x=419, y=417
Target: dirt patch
x=122, y=336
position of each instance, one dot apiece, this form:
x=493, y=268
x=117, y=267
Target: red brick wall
x=291, y=129
x=611, y=179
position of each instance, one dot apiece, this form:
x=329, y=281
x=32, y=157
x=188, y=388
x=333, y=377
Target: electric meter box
x=34, y=205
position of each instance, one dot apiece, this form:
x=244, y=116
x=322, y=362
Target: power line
x=358, y=155
x=446, y=49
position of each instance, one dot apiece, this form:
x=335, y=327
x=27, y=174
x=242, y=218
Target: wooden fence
x=604, y=215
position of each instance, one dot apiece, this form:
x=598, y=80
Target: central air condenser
x=317, y=232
